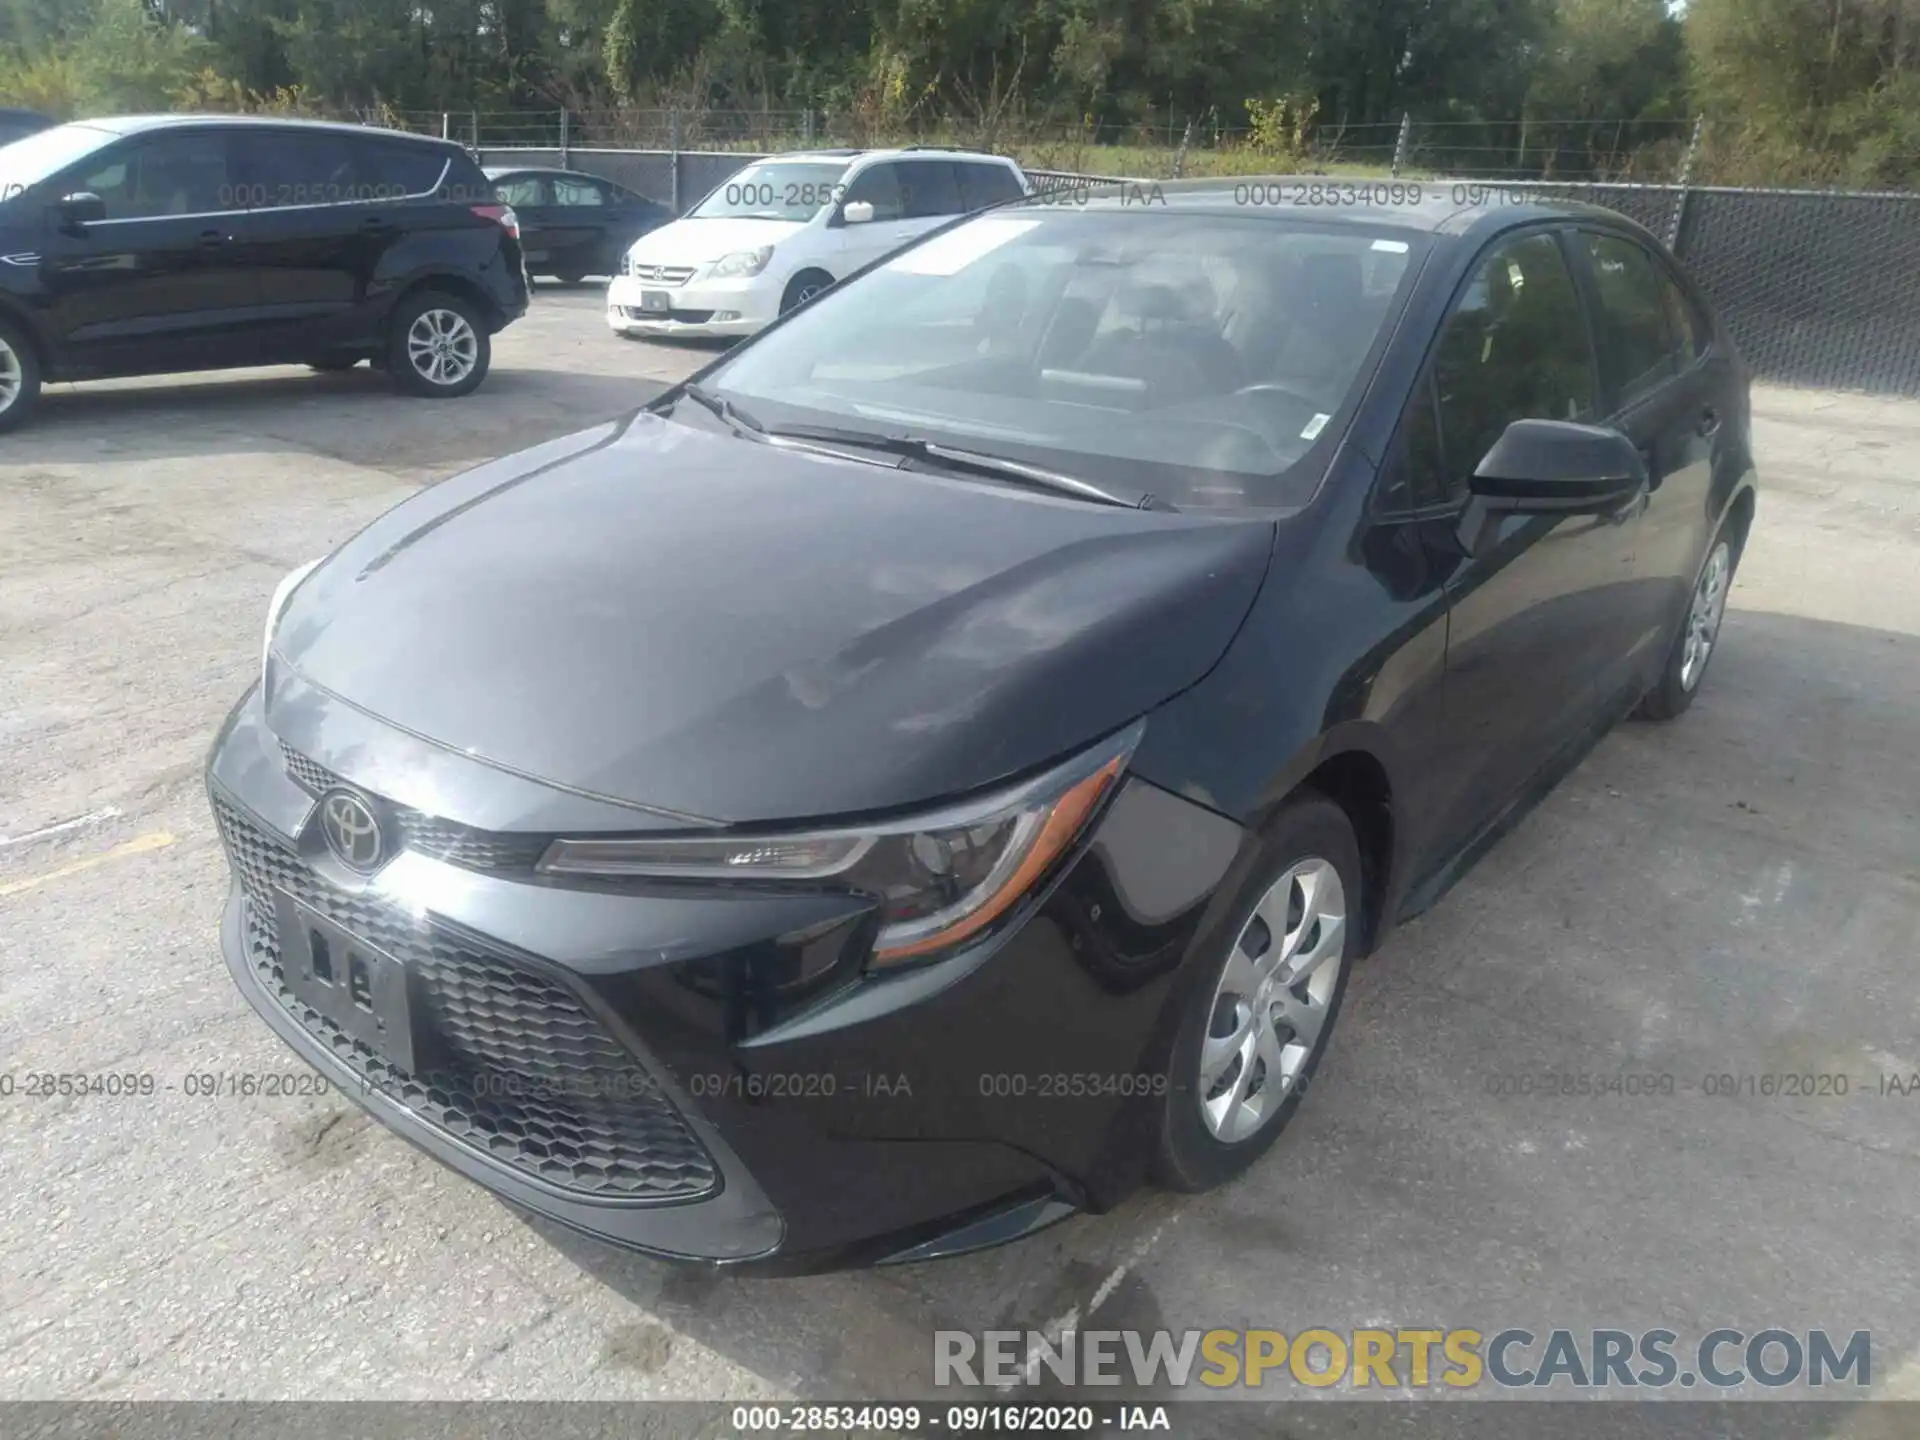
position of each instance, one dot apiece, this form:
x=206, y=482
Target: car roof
x=500, y=172
x=142, y=124
x=894, y=153
x=1435, y=207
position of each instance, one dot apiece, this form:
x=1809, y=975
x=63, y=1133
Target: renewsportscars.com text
x=1369, y=1359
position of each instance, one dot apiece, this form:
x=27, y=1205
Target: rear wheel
x=19, y=377
x=439, y=346
x=571, y=277
x=1699, y=636
x=1259, y=1023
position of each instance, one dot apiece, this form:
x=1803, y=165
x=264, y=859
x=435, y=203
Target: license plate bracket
x=660, y=302
x=358, y=986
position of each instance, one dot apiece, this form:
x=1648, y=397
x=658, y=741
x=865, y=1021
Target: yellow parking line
x=159, y=840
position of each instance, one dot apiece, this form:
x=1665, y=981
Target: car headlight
x=941, y=878
x=282, y=593
x=742, y=262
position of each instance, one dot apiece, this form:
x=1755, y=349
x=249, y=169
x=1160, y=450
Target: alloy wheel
x=13, y=376
x=1704, y=615
x=441, y=345
x=1270, y=1008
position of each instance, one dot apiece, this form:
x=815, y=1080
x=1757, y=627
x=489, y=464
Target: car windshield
x=776, y=190
x=27, y=162
x=1198, y=357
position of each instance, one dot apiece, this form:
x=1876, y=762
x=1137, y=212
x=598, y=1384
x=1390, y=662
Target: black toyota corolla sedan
x=936, y=769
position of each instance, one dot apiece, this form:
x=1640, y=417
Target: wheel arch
x=450, y=283
x=43, y=351
x=1351, y=766
x=807, y=269
x=1737, y=522
x=1357, y=781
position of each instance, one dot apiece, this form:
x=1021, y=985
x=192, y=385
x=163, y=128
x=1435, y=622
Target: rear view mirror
x=857, y=212
x=81, y=208
x=1559, y=467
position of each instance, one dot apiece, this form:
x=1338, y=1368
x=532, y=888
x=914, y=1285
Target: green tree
x=1819, y=90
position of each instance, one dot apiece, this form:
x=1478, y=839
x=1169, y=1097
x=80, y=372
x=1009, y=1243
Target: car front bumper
x=706, y=1074
x=710, y=308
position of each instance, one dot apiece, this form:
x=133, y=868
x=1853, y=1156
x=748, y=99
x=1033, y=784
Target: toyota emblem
x=352, y=831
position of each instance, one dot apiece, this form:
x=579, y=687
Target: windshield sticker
x=953, y=252
x=1314, y=427
x=1391, y=247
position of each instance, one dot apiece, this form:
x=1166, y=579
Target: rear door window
x=523, y=192
x=569, y=190
x=982, y=184
x=1636, y=348
x=277, y=169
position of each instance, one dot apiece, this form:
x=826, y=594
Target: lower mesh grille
x=684, y=317
x=525, y=1074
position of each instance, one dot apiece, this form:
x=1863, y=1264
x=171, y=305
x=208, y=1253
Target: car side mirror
x=1551, y=467
x=1559, y=467
x=857, y=212
x=81, y=208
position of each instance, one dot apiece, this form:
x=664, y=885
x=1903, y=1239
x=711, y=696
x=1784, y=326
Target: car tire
x=571, y=277
x=19, y=378
x=803, y=287
x=439, y=346
x=1699, y=636
x=1301, y=904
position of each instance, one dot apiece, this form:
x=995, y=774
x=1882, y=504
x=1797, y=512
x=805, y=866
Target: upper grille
x=525, y=1073
x=664, y=274
x=429, y=834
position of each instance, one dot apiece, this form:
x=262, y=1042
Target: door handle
x=212, y=239
x=1709, y=420
x=375, y=225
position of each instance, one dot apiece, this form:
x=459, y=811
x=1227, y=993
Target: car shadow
x=1613, y=928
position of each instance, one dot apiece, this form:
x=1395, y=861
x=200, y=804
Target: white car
x=782, y=229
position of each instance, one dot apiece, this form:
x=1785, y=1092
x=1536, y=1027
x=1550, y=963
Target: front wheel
x=1699, y=636
x=439, y=346
x=1260, y=1020
x=802, y=288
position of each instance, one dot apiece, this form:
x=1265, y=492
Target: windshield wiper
x=737, y=420
x=953, y=457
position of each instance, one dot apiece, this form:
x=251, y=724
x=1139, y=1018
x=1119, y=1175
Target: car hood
x=686, y=621
x=696, y=242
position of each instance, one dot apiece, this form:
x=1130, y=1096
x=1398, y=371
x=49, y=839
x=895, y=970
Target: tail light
x=502, y=215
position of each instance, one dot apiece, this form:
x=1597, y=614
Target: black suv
x=138, y=246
